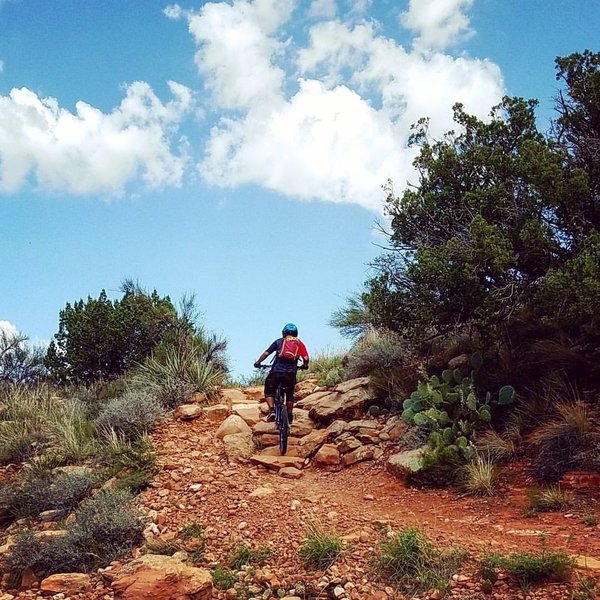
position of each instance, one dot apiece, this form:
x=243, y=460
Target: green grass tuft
x=320, y=548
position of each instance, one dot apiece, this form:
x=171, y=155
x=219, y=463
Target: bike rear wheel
x=283, y=424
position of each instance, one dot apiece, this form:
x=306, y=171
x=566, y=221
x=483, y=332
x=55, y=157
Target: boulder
x=239, y=446
x=255, y=392
x=328, y=455
x=216, y=413
x=309, y=401
x=347, y=443
x=409, y=461
x=274, y=451
x=232, y=424
x=162, y=578
x=310, y=443
x=347, y=401
x=277, y=462
x=361, y=454
x=272, y=439
x=249, y=412
x=305, y=388
x=290, y=473
x=232, y=396
x=188, y=412
x=66, y=583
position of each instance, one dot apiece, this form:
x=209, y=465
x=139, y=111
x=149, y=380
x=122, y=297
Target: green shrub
x=24, y=421
x=131, y=415
x=118, y=454
x=106, y=527
x=327, y=367
x=177, y=374
x=557, y=443
x=35, y=494
x=480, y=476
x=71, y=433
x=388, y=359
x=320, y=548
x=222, y=578
x=529, y=567
x=589, y=519
x=412, y=562
x=134, y=482
x=243, y=555
x=549, y=499
x=499, y=447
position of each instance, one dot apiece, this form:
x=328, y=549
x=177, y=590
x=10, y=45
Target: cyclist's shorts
x=288, y=380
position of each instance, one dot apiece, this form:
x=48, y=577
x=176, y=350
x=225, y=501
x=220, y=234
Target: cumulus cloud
x=90, y=151
x=322, y=9
x=438, y=23
x=329, y=120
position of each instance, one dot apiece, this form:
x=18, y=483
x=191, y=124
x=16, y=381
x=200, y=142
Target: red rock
x=327, y=455
x=277, y=462
x=66, y=583
x=581, y=480
x=162, y=578
x=188, y=412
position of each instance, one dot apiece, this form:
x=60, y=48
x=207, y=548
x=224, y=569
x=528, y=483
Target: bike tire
x=284, y=429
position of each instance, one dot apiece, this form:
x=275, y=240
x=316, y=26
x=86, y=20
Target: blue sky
x=236, y=149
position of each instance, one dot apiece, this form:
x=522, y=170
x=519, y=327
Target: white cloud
x=360, y=7
x=8, y=328
x=90, y=151
x=339, y=130
x=438, y=23
x=322, y=9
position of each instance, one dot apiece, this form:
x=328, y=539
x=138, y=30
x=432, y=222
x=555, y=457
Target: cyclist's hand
x=257, y=365
x=304, y=367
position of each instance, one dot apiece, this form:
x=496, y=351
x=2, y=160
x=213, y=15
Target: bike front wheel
x=284, y=430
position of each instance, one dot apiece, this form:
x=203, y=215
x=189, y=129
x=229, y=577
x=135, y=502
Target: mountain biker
x=288, y=349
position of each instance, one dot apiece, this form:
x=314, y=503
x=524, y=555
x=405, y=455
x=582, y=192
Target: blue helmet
x=290, y=329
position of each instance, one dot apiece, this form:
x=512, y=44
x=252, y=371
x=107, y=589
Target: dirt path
x=242, y=503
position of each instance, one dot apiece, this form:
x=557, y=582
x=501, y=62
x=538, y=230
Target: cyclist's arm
x=262, y=357
x=304, y=356
x=266, y=353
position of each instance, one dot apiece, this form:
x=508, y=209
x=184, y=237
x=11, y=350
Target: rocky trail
x=212, y=474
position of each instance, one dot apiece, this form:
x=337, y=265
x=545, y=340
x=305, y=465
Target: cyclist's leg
x=270, y=387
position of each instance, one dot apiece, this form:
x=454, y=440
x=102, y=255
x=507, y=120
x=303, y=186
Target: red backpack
x=289, y=349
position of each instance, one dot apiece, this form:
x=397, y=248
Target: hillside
x=240, y=504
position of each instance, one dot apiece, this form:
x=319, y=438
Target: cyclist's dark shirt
x=280, y=365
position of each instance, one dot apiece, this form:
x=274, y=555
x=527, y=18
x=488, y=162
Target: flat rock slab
x=188, y=412
x=249, y=412
x=290, y=473
x=66, y=583
x=232, y=396
x=277, y=462
x=162, y=578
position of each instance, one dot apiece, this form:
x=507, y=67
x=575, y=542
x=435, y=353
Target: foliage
x=119, y=453
x=387, y=359
x=589, y=519
x=571, y=430
x=412, y=562
x=449, y=409
x=243, y=555
x=328, y=367
x=131, y=415
x=19, y=362
x=222, y=578
x=480, y=476
x=106, y=527
x=499, y=447
x=177, y=374
x=101, y=339
x=24, y=420
x=320, y=548
x=499, y=240
x=530, y=567
x=30, y=496
x=548, y=499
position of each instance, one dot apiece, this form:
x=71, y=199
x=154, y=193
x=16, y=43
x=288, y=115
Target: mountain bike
x=282, y=421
